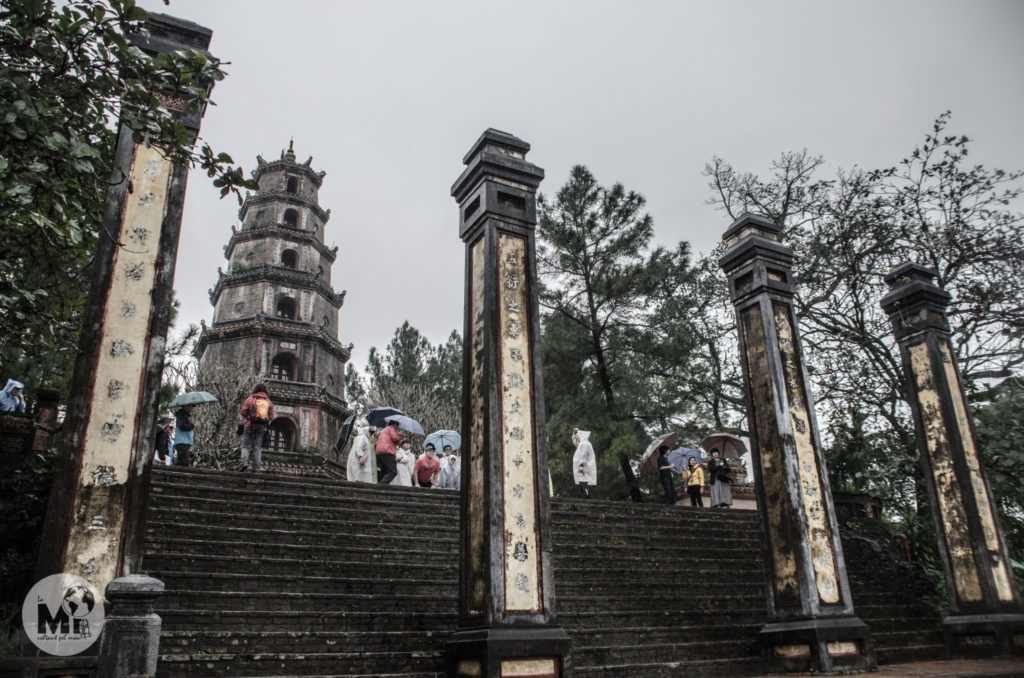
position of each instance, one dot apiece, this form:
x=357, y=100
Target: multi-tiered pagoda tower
x=275, y=311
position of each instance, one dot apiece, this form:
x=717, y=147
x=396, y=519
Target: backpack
x=260, y=412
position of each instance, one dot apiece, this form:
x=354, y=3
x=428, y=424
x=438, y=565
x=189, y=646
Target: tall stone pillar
x=506, y=595
x=985, y=610
x=812, y=622
x=94, y=519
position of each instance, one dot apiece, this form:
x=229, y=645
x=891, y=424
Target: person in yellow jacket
x=694, y=477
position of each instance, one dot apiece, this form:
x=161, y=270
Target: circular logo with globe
x=63, y=614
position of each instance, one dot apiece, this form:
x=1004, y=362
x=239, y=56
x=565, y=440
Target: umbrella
x=378, y=417
x=344, y=432
x=729, y=445
x=406, y=423
x=649, y=461
x=193, y=398
x=680, y=457
x=442, y=438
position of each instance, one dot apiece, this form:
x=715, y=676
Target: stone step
x=655, y=652
x=699, y=668
x=300, y=663
x=909, y=637
x=180, y=562
x=343, y=501
x=284, y=519
x=190, y=619
x=284, y=583
x=159, y=528
x=741, y=550
x=157, y=546
x=676, y=595
x=642, y=603
x=338, y=641
x=641, y=635
x=274, y=601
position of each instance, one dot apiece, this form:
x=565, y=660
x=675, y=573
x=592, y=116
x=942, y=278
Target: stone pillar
x=812, y=625
x=506, y=597
x=985, y=611
x=95, y=516
x=130, y=644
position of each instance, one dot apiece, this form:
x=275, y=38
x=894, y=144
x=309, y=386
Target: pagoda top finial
x=290, y=153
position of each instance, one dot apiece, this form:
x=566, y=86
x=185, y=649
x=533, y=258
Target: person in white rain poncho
x=406, y=463
x=359, y=469
x=584, y=464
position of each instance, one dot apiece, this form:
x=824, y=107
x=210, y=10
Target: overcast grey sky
x=388, y=96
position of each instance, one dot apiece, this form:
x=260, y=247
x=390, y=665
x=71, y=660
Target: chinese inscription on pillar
x=98, y=517
x=522, y=589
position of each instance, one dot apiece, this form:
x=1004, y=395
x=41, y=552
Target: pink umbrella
x=649, y=461
x=729, y=445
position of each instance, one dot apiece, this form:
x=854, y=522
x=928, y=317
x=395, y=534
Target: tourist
x=451, y=470
x=183, y=436
x=405, y=464
x=719, y=479
x=665, y=470
x=257, y=412
x=359, y=468
x=11, y=398
x=385, y=450
x=427, y=468
x=694, y=476
x=163, y=440
x=584, y=464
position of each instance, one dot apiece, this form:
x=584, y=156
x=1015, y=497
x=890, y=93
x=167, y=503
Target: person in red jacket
x=385, y=449
x=257, y=412
x=424, y=473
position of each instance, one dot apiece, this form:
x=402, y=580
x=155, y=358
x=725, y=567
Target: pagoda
x=275, y=310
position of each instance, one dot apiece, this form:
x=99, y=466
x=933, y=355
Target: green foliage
x=68, y=73
x=632, y=334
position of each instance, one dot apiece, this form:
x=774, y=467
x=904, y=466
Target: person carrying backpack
x=257, y=412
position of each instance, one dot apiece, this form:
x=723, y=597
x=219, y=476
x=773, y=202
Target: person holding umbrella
x=184, y=436
x=665, y=469
x=386, y=450
x=719, y=479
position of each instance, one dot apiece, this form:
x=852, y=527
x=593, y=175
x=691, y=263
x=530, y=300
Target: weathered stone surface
x=813, y=626
x=985, y=611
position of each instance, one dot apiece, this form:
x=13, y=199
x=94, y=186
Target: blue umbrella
x=442, y=438
x=680, y=457
x=378, y=417
x=406, y=423
x=193, y=398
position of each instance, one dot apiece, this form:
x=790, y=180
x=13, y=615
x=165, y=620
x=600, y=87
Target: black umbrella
x=378, y=417
x=344, y=432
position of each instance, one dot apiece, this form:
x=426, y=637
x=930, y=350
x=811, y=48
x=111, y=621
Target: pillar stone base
x=830, y=645
x=984, y=634
x=130, y=644
x=509, y=652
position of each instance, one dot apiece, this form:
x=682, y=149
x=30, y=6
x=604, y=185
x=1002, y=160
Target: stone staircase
x=273, y=576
